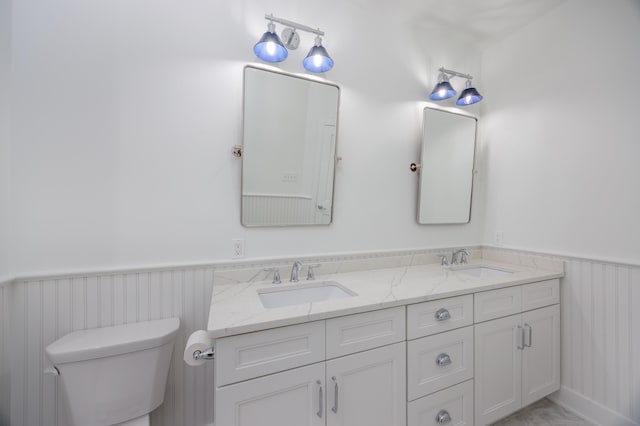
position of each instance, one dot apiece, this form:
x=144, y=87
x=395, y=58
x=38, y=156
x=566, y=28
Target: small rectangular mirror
x=446, y=173
x=290, y=125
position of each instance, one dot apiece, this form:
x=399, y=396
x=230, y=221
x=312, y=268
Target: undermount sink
x=482, y=271
x=303, y=293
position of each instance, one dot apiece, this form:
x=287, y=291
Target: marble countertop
x=236, y=307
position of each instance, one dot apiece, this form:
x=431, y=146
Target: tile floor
x=543, y=413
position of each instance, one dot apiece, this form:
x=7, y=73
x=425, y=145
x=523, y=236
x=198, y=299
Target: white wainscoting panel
x=44, y=310
x=4, y=359
x=601, y=339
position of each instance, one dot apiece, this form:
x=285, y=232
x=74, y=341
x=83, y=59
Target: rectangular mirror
x=290, y=125
x=446, y=173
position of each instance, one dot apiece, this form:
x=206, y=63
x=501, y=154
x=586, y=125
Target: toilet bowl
x=114, y=375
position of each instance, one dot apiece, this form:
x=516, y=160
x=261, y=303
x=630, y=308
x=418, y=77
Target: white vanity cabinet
x=465, y=360
x=517, y=357
x=365, y=386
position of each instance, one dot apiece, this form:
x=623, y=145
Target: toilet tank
x=113, y=374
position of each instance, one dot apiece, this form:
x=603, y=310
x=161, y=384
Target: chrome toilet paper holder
x=209, y=353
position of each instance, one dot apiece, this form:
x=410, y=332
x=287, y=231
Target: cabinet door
x=541, y=357
x=291, y=398
x=498, y=368
x=368, y=388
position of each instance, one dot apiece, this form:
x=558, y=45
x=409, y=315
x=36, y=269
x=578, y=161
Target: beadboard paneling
x=601, y=335
x=4, y=366
x=47, y=309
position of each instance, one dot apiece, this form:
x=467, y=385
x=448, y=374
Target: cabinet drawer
x=425, y=319
x=360, y=332
x=439, y=361
x=497, y=303
x=250, y=355
x=538, y=295
x=455, y=402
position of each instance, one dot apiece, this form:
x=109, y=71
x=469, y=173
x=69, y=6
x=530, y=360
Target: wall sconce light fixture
x=443, y=89
x=271, y=49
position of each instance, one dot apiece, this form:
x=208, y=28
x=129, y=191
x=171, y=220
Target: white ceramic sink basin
x=482, y=271
x=303, y=293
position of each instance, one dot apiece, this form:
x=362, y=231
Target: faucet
x=463, y=256
x=276, y=275
x=297, y=265
x=311, y=274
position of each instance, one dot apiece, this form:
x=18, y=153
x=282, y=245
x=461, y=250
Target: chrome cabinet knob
x=443, y=360
x=442, y=314
x=443, y=417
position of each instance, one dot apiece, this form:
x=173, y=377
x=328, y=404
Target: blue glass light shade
x=318, y=60
x=469, y=96
x=270, y=48
x=442, y=91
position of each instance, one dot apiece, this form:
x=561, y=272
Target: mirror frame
x=335, y=158
x=473, y=164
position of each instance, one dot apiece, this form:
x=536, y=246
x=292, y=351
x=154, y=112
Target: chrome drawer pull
x=442, y=315
x=443, y=417
x=320, y=407
x=335, y=395
x=443, y=360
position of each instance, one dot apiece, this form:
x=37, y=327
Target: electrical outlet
x=237, y=248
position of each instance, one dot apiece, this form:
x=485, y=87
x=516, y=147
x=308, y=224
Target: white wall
x=5, y=242
x=560, y=129
x=5, y=148
x=125, y=114
x=561, y=148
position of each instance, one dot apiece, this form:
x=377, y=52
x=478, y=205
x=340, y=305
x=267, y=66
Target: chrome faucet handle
x=311, y=274
x=443, y=259
x=463, y=259
x=276, y=274
x=297, y=265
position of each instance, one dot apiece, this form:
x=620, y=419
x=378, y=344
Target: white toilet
x=114, y=375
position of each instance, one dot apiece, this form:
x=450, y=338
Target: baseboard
x=591, y=410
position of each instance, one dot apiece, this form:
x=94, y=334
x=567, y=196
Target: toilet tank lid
x=109, y=341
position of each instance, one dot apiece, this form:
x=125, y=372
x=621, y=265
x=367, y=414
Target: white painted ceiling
x=480, y=20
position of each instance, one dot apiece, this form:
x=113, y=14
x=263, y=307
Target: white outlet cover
x=237, y=248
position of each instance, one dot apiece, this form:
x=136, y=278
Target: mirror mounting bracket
x=237, y=151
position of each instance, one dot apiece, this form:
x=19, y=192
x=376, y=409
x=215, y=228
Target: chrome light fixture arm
x=292, y=24
x=452, y=73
